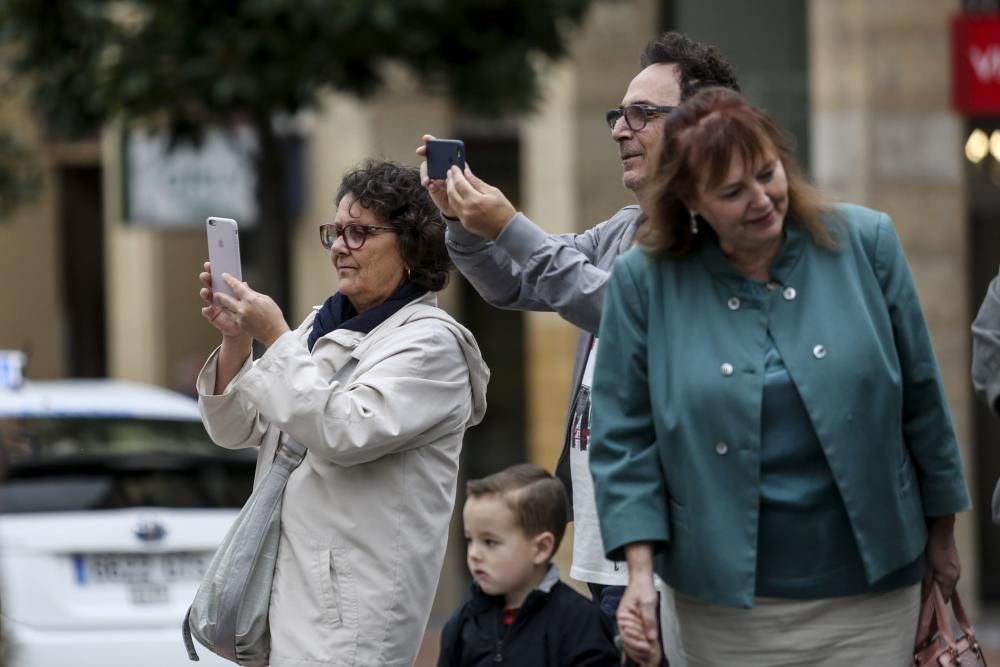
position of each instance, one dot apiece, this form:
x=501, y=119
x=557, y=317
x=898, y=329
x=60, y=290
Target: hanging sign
x=181, y=186
x=975, y=64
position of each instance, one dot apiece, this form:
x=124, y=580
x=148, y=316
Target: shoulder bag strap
x=267, y=499
x=960, y=615
x=934, y=618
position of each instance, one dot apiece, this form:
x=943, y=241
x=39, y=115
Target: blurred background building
x=98, y=272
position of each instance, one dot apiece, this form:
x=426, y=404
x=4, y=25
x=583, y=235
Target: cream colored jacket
x=365, y=517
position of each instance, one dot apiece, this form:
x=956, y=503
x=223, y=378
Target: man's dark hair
x=537, y=499
x=700, y=65
x=394, y=194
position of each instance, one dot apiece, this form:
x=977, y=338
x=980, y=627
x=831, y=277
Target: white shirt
x=589, y=563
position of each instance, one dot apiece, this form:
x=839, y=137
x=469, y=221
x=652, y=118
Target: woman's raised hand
x=246, y=313
x=253, y=313
x=220, y=318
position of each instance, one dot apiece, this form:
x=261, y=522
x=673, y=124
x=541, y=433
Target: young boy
x=520, y=612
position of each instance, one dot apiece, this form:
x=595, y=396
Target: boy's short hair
x=537, y=499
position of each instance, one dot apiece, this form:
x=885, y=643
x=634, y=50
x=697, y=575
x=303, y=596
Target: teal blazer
x=675, y=440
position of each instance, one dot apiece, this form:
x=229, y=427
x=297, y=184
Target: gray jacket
x=527, y=268
x=364, y=520
x=986, y=361
x=986, y=347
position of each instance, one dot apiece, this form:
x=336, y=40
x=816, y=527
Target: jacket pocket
x=325, y=569
x=905, y=473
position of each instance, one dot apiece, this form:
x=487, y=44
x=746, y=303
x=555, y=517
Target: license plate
x=144, y=594
x=139, y=569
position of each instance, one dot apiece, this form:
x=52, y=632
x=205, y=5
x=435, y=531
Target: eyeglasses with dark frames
x=636, y=115
x=355, y=234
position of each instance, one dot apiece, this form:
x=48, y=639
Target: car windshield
x=27, y=440
x=65, y=464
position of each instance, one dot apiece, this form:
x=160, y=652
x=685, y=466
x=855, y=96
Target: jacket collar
x=551, y=579
x=352, y=339
x=483, y=600
x=796, y=238
x=631, y=229
x=339, y=313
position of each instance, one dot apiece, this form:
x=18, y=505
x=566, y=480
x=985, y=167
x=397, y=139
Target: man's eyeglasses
x=636, y=115
x=355, y=234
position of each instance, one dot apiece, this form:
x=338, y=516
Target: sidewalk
x=429, y=650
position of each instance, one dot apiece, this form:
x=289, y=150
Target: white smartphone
x=223, y=252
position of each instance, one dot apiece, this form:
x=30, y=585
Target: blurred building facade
x=863, y=87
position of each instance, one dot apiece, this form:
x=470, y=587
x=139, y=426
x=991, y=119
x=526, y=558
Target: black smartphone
x=442, y=154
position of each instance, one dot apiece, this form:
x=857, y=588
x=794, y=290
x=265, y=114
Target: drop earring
x=694, y=222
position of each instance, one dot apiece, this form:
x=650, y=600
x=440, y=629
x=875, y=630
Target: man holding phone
x=513, y=263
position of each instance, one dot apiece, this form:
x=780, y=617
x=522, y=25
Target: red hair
x=701, y=137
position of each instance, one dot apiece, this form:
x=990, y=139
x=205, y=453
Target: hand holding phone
x=442, y=154
x=223, y=252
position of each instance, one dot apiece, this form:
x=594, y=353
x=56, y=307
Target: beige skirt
x=872, y=629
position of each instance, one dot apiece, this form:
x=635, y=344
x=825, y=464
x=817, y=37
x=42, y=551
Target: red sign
x=975, y=63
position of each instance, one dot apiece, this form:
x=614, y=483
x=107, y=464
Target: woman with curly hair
x=380, y=385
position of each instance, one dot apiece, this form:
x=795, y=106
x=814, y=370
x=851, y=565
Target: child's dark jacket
x=555, y=627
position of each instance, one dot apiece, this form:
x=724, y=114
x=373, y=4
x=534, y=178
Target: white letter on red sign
x=986, y=62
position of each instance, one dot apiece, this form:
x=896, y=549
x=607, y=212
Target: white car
x=112, y=502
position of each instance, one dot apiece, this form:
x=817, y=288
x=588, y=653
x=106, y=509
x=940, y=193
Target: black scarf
x=338, y=312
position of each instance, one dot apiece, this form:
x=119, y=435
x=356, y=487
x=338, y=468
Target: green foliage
x=197, y=62
x=19, y=178
x=187, y=65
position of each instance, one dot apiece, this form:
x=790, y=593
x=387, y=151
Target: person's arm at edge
x=629, y=489
x=986, y=348
x=230, y=417
x=928, y=430
x=639, y=602
x=233, y=355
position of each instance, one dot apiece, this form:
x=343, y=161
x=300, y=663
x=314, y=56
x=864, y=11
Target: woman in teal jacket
x=768, y=415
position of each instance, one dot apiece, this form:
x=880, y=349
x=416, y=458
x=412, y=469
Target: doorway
x=81, y=248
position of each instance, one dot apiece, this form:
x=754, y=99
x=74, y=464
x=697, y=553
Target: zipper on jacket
x=534, y=598
x=501, y=633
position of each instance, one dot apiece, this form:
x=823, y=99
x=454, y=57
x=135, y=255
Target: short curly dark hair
x=701, y=66
x=393, y=193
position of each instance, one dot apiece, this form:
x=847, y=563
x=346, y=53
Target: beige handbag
x=936, y=645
